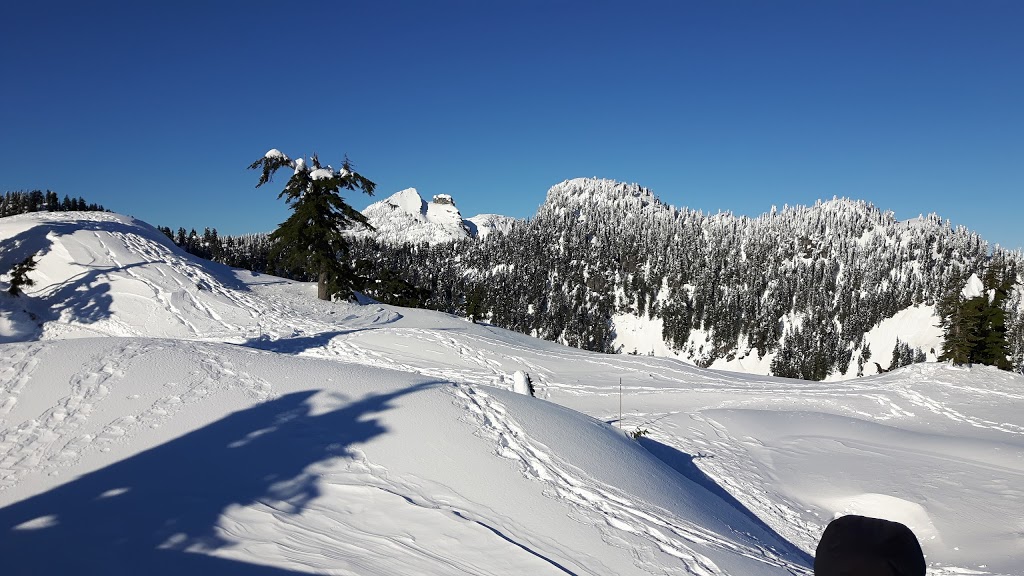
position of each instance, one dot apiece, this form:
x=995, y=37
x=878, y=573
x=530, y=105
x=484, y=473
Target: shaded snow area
x=406, y=217
x=160, y=414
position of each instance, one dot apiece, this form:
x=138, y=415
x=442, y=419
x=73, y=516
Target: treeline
x=253, y=252
x=805, y=284
x=21, y=202
x=249, y=251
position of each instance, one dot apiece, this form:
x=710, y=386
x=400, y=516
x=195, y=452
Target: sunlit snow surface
x=160, y=414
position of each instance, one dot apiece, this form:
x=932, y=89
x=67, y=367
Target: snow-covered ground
x=917, y=326
x=160, y=414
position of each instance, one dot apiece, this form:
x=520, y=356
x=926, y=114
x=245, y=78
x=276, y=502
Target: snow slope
x=160, y=414
x=482, y=225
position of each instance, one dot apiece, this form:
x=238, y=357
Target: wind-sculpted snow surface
x=267, y=432
x=101, y=274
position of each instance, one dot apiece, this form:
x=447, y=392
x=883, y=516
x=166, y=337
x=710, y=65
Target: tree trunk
x=321, y=287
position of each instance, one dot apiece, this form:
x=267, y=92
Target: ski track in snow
x=937, y=407
x=624, y=523
x=725, y=459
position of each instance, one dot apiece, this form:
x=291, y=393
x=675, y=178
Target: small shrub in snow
x=19, y=275
x=639, y=433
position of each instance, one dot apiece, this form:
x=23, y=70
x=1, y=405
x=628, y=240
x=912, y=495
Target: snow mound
x=153, y=468
x=104, y=274
x=910, y=514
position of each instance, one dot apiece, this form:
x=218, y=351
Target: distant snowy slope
x=482, y=225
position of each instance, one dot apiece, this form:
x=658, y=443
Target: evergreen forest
x=805, y=283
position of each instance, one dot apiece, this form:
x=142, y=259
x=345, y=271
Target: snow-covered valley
x=161, y=413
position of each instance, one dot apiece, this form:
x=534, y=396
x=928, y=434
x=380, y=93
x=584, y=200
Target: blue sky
x=155, y=109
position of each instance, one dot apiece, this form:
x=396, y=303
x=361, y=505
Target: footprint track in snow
x=50, y=439
x=639, y=527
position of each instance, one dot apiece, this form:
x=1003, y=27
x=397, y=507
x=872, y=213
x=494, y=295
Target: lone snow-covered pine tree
x=312, y=240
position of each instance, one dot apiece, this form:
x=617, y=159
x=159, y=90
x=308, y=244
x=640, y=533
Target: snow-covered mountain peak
x=597, y=190
x=583, y=198
x=405, y=217
x=408, y=201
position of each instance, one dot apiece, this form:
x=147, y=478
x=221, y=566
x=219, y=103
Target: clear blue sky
x=156, y=108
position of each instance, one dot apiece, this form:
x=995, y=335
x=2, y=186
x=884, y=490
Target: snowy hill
x=405, y=217
x=266, y=432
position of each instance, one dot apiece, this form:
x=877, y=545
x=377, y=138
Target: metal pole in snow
x=620, y=403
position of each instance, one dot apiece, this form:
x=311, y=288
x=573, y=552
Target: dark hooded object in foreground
x=860, y=546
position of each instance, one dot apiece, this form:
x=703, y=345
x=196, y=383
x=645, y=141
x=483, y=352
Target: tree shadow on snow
x=684, y=464
x=85, y=296
x=139, y=515
x=295, y=344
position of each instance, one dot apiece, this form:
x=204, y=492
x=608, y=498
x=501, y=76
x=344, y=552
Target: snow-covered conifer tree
x=312, y=239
